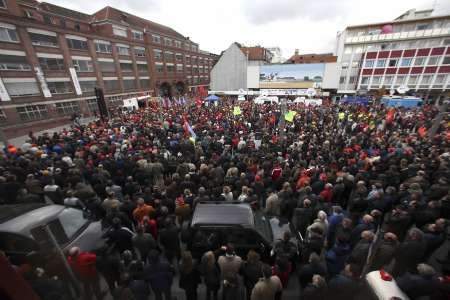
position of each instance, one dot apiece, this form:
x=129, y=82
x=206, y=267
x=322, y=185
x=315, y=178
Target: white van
x=267, y=100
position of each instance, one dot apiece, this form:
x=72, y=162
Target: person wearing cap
x=83, y=266
x=110, y=202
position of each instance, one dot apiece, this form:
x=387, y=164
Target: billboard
x=295, y=76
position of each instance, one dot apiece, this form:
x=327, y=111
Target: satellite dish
x=402, y=89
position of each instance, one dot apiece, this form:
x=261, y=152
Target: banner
x=75, y=81
x=41, y=78
x=4, y=96
x=237, y=111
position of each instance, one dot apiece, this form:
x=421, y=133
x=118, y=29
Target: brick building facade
x=52, y=58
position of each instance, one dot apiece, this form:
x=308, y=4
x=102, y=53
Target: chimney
x=296, y=51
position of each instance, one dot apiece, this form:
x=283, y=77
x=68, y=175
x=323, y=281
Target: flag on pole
x=237, y=111
x=188, y=129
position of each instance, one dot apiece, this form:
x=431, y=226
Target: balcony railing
x=398, y=35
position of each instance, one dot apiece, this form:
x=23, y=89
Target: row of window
x=22, y=89
x=413, y=44
x=407, y=61
x=411, y=81
x=49, y=39
x=401, y=28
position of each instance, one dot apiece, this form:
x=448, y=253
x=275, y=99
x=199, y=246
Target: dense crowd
x=352, y=180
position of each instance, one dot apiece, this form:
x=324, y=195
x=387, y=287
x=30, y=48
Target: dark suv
x=215, y=224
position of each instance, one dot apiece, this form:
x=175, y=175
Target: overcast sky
x=309, y=26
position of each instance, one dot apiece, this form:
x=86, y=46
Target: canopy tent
x=212, y=98
x=401, y=101
x=354, y=100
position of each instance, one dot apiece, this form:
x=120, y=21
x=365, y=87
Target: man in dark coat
x=306, y=272
x=168, y=238
x=410, y=252
x=360, y=252
x=419, y=285
x=302, y=217
x=385, y=251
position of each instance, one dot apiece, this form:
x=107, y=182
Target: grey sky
x=310, y=26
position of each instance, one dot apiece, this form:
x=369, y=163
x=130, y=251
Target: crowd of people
x=367, y=188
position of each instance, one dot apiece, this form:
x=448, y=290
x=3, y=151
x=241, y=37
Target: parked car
x=20, y=223
x=215, y=224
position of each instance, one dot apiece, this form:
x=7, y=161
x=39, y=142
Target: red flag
x=422, y=131
x=199, y=101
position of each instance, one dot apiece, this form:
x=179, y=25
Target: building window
x=8, y=34
x=168, y=55
x=32, y=112
x=20, y=89
x=77, y=44
x=446, y=60
x=422, y=26
x=88, y=86
x=126, y=67
x=167, y=42
x=83, y=65
x=137, y=35
x=103, y=47
x=392, y=63
x=63, y=87
x=14, y=63
x=67, y=108
x=179, y=57
x=433, y=60
x=440, y=79
x=107, y=66
x=43, y=40
x=426, y=79
x=342, y=80
x=120, y=31
x=123, y=50
x=159, y=68
x=406, y=62
x=365, y=80
x=170, y=68
x=2, y=116
x=93, y=106
x=139, y=52
x=142, y=68
x=157, y=54
x=111, y=85
x=413, y=80
x=129, y=84
x=400, y=80
x=376, y=80
x=344, y=66
x=419, y=61
x=187, y=59
x=381, y=63
x=3, y=4
x=388, y=80
x=179, y=68
x=156, y=39
x=51, y=64
x=145, y=83
x=48, y=19
x=446, y=42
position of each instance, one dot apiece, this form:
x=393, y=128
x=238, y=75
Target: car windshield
x=71, y=220
x=262, y=226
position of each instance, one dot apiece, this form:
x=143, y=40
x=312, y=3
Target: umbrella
x=212, y=98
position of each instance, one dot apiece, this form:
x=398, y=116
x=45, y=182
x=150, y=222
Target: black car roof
x=220, y=213
x=9, y=212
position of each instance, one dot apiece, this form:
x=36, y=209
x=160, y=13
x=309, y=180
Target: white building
x=411, y=51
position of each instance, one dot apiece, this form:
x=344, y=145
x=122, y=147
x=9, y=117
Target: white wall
x=253, y=77
x=330, y=76
x=230, y=72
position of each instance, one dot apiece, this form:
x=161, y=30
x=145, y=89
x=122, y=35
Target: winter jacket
x=83, y=265
x=266, y=289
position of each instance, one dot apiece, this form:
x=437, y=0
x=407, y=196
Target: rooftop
x=223, y=214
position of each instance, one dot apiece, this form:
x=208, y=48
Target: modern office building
x=411, y=52
x=52, y=58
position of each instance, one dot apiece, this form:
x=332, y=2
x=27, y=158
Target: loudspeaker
x=103, y=109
